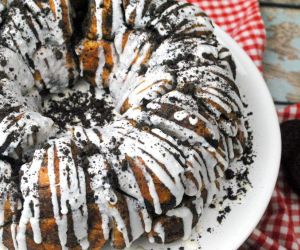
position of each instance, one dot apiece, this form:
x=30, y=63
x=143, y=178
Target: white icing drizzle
x=114, y=213
x=28, y=137
x=156, y=83
x=147, y=82
x=98, y=15
x=180, y=115
x=57, y=11
x=187, y=218
x=178, y=131
x=198, y=203
x=21, y=71
x=193, y=120
x=30, y=128
x=124, y=77
x=127, y=183
x=51, y=69
x=73, y=193
x=106, y=200
x=61, y=220
x=152, y=190
x=135, y=221
x=31, y=209
x=13, y=229
x=139, y=11
x=117, y=15
x=101, y=63
x=159, y=229
x=180, y=100
x=147, y=147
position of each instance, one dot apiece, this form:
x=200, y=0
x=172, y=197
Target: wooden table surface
x=282, y=56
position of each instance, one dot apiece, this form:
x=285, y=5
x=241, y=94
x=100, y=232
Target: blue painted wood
x=282, y=57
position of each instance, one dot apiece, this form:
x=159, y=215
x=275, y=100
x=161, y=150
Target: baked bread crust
x=151, y=170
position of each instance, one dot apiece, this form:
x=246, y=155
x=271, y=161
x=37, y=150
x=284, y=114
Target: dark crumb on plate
x=238, y=179
x=229, y=174
x=212, y=205
x=242, y=178
x=223, y=213
x=230, y=194
x=249, y=155
x=242, y=181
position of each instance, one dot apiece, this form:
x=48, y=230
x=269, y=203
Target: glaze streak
x=161, y=121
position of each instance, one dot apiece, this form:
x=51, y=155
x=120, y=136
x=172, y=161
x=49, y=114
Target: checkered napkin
x=242, y=20
x=280, y=225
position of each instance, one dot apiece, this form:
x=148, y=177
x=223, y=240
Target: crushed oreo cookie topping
x=118, y=119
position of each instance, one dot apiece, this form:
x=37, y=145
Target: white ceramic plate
x=267, y=146
x=244, y=217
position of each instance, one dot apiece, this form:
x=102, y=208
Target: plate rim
x=230, y=42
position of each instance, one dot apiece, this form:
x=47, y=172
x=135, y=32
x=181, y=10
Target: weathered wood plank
x=292, y=2
x=282, y=57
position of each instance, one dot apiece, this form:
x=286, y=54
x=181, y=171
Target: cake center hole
x=81, y=105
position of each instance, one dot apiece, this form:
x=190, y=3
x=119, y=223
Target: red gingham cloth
x=280, y=226
x=242, y=20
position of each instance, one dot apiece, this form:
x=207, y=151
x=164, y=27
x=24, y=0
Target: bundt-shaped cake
x=118, y=119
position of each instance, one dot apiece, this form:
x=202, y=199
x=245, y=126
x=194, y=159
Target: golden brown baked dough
x=147, y=173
